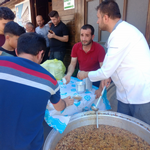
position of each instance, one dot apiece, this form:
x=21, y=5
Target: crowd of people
x=26, y=87
x=55, y=33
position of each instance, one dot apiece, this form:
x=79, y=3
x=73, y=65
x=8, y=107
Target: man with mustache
x=89, y=55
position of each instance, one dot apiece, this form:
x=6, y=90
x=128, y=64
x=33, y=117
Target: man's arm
x=63, y=103
x=71, y=69
x=105, y=82
x=64, y=38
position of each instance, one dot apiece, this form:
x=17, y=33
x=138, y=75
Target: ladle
x=95, y=107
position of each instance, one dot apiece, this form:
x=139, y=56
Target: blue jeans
x=139, y=111
x=58, y=55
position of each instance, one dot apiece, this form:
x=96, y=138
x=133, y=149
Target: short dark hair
x=31, y=43
x=6, y=13
x=88, y=26
x=109, y=7
x=13, y=28
x=30, y=23
x=53, y=13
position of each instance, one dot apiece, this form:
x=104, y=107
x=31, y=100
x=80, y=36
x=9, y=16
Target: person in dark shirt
x=6, y=15
x=58, y=36
x=12, y=31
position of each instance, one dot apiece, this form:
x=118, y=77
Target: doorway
x=42, y=8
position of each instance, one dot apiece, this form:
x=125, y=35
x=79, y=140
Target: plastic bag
x=55, y=67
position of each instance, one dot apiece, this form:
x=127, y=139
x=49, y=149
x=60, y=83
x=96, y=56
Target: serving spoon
x=94, y=108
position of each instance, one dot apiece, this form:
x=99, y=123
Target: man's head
x=40, y=21
x=32, y=44
x=107, y=10
x=86, y=34
x=12, y=31
x=54, y=16
x=6, y=15
x=30, y=27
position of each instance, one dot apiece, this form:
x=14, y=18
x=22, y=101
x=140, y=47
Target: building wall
x=92, y=17
x=137, y=14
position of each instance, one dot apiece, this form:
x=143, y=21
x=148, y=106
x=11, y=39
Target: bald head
x=40, y=21
x=39, y=17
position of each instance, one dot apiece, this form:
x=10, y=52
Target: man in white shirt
x=126, y=62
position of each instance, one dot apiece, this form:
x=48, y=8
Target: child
x=12, y=31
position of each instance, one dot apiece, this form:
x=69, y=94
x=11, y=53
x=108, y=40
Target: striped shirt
x=25, y=88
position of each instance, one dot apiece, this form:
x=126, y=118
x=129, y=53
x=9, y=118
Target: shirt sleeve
x=55, y=97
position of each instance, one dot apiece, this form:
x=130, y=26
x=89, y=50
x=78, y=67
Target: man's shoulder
x=26, y=63
x=7, y=59
x=97, y=45
x=2, y=49
x=37, y=28
x=2, y=36
x=78, y=45
x=62, y=23
x=46, y=27
x=3, y=53
x=2, y=39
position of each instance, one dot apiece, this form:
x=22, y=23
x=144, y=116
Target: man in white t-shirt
x=127, y=62
x=43, y=30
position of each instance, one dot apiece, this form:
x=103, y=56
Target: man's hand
x=69, y=101
x=98, y=93
x=106, y=82
x=67, y=77
x=50, y=35
x=82, y=75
